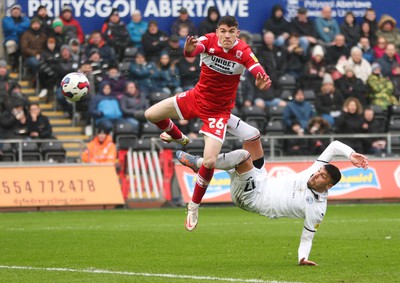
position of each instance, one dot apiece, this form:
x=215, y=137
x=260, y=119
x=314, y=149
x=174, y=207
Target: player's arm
x=263, y=81
x=337, y=148
x=193, y=46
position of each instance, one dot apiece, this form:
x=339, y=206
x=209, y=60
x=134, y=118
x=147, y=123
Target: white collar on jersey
x=319, y=196
x=227, y=50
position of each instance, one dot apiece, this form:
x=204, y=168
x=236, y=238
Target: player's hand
x=303, y=261
x=190, y=44
x=263, y=81
x=359, y=160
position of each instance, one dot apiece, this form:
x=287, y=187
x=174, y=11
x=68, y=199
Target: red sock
x=204, y=177
x=170, y=128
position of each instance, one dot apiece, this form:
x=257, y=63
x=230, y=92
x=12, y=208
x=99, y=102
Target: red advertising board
x=380, y=181
x=57, y=185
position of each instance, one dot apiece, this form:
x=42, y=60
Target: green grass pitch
x=355, y=243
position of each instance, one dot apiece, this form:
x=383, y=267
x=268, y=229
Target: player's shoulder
x=208, y=36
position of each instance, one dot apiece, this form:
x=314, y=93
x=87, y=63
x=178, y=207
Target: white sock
x=227, y=161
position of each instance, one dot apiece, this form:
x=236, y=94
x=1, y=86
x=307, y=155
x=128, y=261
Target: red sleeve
x=81, y=35
x=200, y=48
x=257, y=69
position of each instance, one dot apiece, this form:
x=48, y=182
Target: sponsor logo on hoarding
x=219, y=185
x=354, y=179
x=278, y=171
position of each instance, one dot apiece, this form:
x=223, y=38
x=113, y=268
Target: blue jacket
x=104, y=106
x=297, y=111
x=326, y=29
x=136, y=30
x=13, y=29
x=141, y=74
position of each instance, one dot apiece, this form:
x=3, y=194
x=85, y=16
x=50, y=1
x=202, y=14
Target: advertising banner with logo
x=59, y=186
x=380, y=181
x=251, y=13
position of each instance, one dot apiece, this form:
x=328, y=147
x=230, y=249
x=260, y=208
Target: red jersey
x=220, y=72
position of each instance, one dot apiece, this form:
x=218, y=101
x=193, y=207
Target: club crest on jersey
x=211, y=50
x=309, y=199
x=254, y=57
x=239, y=54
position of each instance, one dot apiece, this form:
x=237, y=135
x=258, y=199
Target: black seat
x=150, y=130
x=53, y=150
x=9, y=152
x=309, y=95
x=157, y=96
x=275, y=127
x=130, y=53
x=287, y=82
x=255, y=114
x=287, y=94
x=275, y=113
x=31, y=151
x=125, y=135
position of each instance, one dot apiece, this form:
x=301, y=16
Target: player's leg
x=212, y=148
x=161, y=114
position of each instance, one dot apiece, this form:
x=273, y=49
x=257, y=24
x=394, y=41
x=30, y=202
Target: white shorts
x=247, y=188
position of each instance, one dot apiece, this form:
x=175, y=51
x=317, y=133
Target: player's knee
x=148, y=114
x=209, y=163
x=252, y=134
x=243, y=156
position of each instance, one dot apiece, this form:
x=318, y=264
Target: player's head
x=325, y=178
x=227, y=31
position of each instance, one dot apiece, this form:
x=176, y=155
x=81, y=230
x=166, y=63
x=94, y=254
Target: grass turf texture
x=355, y=243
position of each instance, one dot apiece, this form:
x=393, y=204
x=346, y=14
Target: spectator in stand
x=46, y=21
x=98, y=66
x=350, y=29
x=296, y=146
x=4, y=81
x=329, y=101
x=245, y=94
x=278, y=25
x=86, y=69
x=380, y=88
x=65, y=64
x=305, y=28
x=326, y=26
x=72, y=27
x=37, y=124
x=58, y=34
x=189, y=71
x=388, y=59
x=17, y=97
x=380, y=47
x=298, y=110
x=318, y=126
x=33, y=43
x=115, y=34
x=97, y=42
x=350, y=86
x=209, y=24
x=337, y=51
x=104, y=108
x=153, y=42
x=13, y=27
x=273, y=59
x=166, y=77
x=13, y=120
x=373, y=126
x=296, y=57
x=76, y=51
x=350, y=122
x=368, y=52
x=388, y=30
x=133, y=104
x=140, y=72
x=47, y=68
x=174, y=50
x=136, y=28
x=183, y=33
x=362, y=69
x=183, y=18
x=116, y=80
x=370, y=18
x=365, y=30
x=396, y=80
x=315, y=69
x=101, y=149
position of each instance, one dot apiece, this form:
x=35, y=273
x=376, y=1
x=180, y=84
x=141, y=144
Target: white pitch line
x=103, y=271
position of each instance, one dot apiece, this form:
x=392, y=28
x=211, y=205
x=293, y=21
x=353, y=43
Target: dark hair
x=334, y=173
x=230, y=21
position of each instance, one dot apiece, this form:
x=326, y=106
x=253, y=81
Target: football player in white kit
x=301, y=195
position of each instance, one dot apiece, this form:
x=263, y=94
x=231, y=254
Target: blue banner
x=251, y=14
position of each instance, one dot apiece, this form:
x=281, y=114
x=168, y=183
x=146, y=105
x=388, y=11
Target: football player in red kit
x=224, y=58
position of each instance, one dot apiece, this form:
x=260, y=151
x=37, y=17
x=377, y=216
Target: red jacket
x=77, y=25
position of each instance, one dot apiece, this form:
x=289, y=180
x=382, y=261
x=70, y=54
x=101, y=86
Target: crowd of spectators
x=351, y=68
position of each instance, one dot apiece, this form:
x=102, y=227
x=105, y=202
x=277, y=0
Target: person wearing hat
x=47, y=67
x=174, y=50
x=351, y=86
x=33, y=43
x=329, y=101
x=101, y=149
x=71, y=25
x=305, y=28
x=315, y=69
x=278, y=25
x=381, y=90
x=41, y=13
x=388, y=30
x=210, y=23
x=136, y=28
x=14, y=26
x=115, y=33
x=183, y=18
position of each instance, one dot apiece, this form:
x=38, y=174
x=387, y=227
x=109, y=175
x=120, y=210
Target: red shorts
x=214, y=121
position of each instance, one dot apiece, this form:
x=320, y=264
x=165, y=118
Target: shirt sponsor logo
x=211, y=50
x=219, y=185
x=353, y=179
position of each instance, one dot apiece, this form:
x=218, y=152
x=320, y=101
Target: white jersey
x=287, y=196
